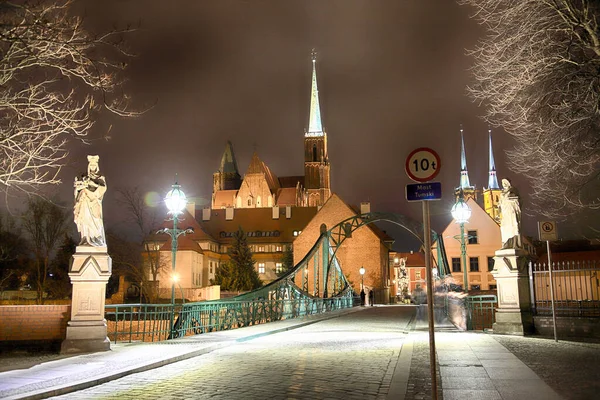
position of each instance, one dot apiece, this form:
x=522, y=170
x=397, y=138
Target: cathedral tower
x=227, y=176
x=491, y=194
x=316, y=160
x=464, y=185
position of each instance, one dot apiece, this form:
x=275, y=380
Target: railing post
x=532, y=288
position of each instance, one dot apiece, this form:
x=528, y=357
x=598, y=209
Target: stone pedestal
x=513, y=316
x=89, y=272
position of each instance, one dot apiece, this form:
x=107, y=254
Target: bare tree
x=54, y=78
x=46, y=224
x=146, y=268
x=538, y=73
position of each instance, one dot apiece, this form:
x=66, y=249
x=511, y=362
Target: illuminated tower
x=465, y=184
x=491, y=194
x=316, y=160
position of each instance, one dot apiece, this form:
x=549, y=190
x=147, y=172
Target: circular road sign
x=422, y=164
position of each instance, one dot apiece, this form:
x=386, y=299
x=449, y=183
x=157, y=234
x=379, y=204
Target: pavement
x=469, y=365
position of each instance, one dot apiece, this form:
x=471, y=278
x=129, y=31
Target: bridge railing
x=152, y=322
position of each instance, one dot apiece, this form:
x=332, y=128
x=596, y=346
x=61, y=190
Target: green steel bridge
x=316, y=284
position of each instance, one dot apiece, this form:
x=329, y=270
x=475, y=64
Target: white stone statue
x=510, y=211
x=89, y=191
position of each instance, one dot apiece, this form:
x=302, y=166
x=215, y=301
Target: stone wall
x=568, y=327
x=34, y=322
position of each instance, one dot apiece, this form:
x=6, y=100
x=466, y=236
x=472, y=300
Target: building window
x=261, y=249
x=210, y=267
x=418, y=275
x=278, y=268
x=455, y=264
x=278, y=247
x=296, y=233
x=474, y=264
x=490, y=263
x=475, y=287
x=261, y=268
x=473, y=239
x=249, y=201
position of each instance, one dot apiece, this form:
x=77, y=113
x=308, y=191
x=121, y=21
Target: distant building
x=276, y=213
x=482, y=231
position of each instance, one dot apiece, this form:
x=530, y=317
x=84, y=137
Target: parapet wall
x=574, y=327
x=34, y=322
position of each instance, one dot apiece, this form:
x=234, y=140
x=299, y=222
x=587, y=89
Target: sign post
x=422, y=165
x=547, y=232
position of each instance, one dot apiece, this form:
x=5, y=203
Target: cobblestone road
x=570, y=368
x=351, y=357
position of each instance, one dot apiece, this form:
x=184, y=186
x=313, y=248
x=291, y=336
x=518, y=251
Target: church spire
x=493, y=179
x=315, y=128
x=464, y=174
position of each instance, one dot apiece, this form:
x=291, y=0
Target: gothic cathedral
x=260, y=187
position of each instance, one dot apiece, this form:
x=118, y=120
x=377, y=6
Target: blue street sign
x=424, y=191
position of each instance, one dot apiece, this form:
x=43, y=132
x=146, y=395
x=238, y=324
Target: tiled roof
x=381, y=234
x=185, y=221
x=228, y=162
x=184, y=242
x=414, y=259
x=260, y=222
x=286, y=196
x=225, y=198
x=257, y=167
x=290, y=181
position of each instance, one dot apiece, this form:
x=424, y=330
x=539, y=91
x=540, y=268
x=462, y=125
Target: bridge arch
x=321, y=264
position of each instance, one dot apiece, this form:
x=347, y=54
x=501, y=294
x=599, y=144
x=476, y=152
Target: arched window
x=314, y=152
x=249, y=201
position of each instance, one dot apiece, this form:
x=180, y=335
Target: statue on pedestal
x=510, y=211
x=89, y=191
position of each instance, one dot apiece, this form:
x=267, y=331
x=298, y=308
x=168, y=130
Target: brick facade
x=364, y=249
x=34, y=323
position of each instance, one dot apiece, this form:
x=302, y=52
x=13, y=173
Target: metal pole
x=173, y=256
x=463, y=256
x=551, y=290
x=427, y=244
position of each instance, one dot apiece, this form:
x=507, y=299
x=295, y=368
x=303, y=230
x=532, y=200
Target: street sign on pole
x=424, y=191
x=547, y=231
x=422, y=164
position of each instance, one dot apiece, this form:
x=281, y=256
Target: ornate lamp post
x=175, y=201
x=362, y=278
x=461, y=212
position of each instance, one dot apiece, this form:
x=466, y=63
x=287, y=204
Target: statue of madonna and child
x=89, y=191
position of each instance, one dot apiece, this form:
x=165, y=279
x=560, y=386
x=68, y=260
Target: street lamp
x=362, y=278
x=461, y=212
x=175, y=279
x=175, y=201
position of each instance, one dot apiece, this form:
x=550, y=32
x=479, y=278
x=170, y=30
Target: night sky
x=391, y=74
